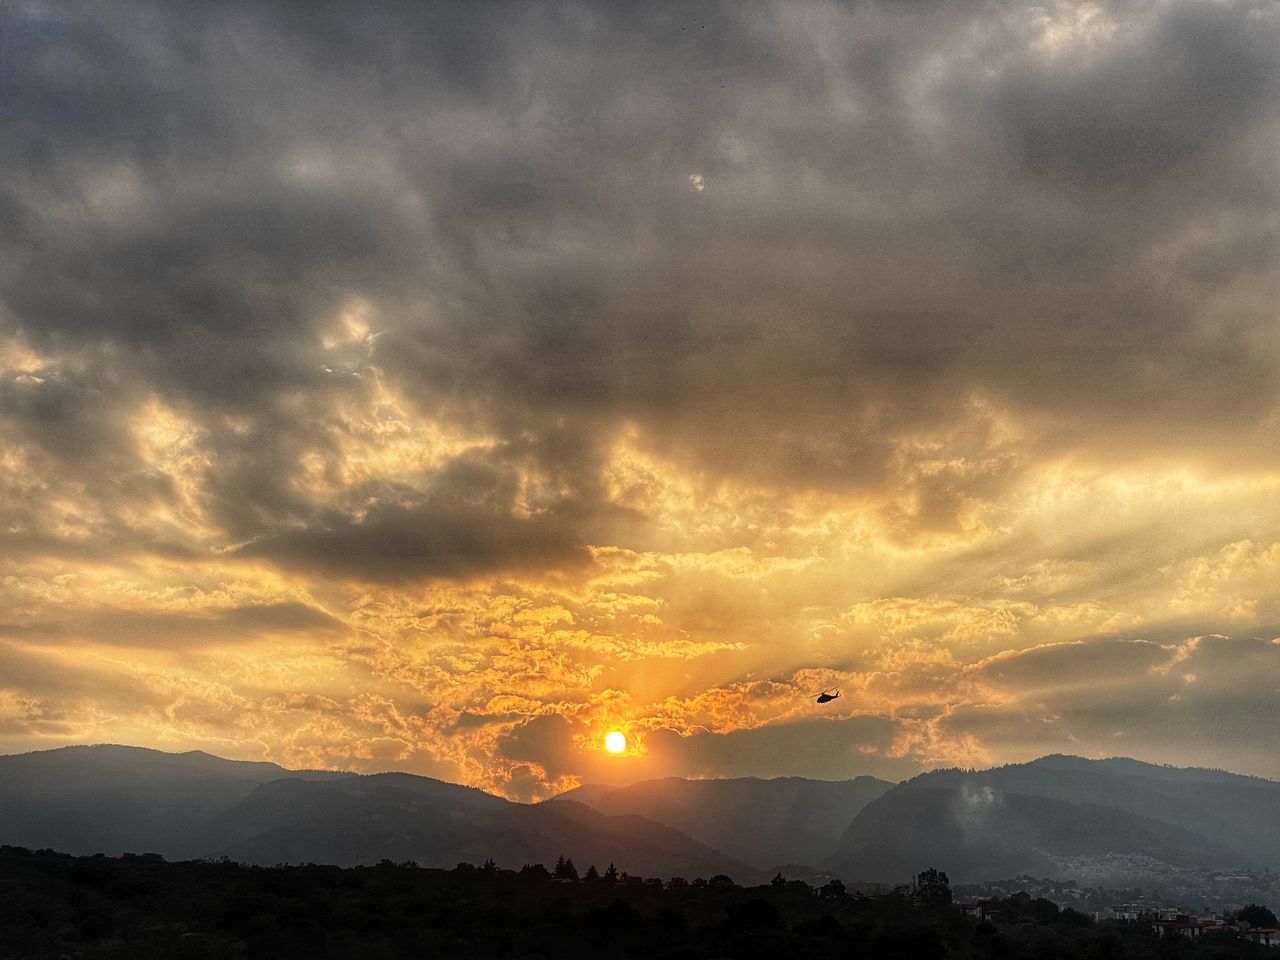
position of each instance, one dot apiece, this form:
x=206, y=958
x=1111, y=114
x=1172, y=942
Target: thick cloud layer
x=575, y=360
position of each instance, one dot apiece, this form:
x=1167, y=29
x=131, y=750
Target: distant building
x=1186, y=927
x=1267, y=936
x=1138, y=911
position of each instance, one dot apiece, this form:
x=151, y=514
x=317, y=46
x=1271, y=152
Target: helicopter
x=826, y=696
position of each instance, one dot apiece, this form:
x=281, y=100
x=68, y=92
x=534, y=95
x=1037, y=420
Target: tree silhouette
x=832, y=889
x=778, y=882
x=932, y=887
x=592, y=873
x=1257, y=915
x=565, y=870
x=56, y=905
x=611, y=874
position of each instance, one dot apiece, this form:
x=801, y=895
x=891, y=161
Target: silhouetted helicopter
x=826, y=696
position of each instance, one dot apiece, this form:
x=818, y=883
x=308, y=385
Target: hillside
x=789, y=820
x=114, y=800
x=362, y=820
x=1114, y=821
x=1239, y=812
x=1065, y=816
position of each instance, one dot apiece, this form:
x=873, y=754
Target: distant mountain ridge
x=110, y=799
x=1116, y=819
x=402, y=817
x=787, y=820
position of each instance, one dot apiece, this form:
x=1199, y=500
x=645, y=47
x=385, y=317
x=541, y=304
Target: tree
x=565, y=870
x=933, y=888
x=778, y=882
x=592, y=873
x=833, y=889
x=611, y=874
x=1257, y=915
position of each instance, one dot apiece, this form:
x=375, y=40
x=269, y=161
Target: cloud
x=534, y=264
x=552, y=361
x=393, y=544
x=235, y=625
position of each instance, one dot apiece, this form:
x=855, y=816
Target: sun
x=615, y=742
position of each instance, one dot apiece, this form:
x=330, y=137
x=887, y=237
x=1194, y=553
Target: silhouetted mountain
x=121, y=799
x=403, y=817
x=1111, y=821
x=1242, y=813
x=764, y=822
x=113, y=799
x=1065, y=816
x=588, y=794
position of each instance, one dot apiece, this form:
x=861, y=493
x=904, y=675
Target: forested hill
x=1113, y=822
x=1097, y=820
x=113, y=800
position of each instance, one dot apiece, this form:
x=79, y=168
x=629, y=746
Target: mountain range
x=112, y=799
x=1104, y=821
x=788, y=820
x=1060, y=816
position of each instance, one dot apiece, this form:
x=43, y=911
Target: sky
x=441, y=386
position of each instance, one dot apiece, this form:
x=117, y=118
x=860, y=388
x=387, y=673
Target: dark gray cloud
x=173, y=630
x=179, y=630
x=463, y=526
x=1207, y=701
x=821, y=749
x=905, y=206
x=1156, y=102
x=394, y=544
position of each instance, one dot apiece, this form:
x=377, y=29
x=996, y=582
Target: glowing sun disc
x=615, y=742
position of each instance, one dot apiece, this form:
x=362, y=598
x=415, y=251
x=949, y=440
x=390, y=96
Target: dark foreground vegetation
x=142, y=907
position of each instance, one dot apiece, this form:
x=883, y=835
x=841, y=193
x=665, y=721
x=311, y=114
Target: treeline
x=143, y=907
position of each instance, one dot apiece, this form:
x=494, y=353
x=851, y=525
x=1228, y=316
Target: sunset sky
x=439, y=387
